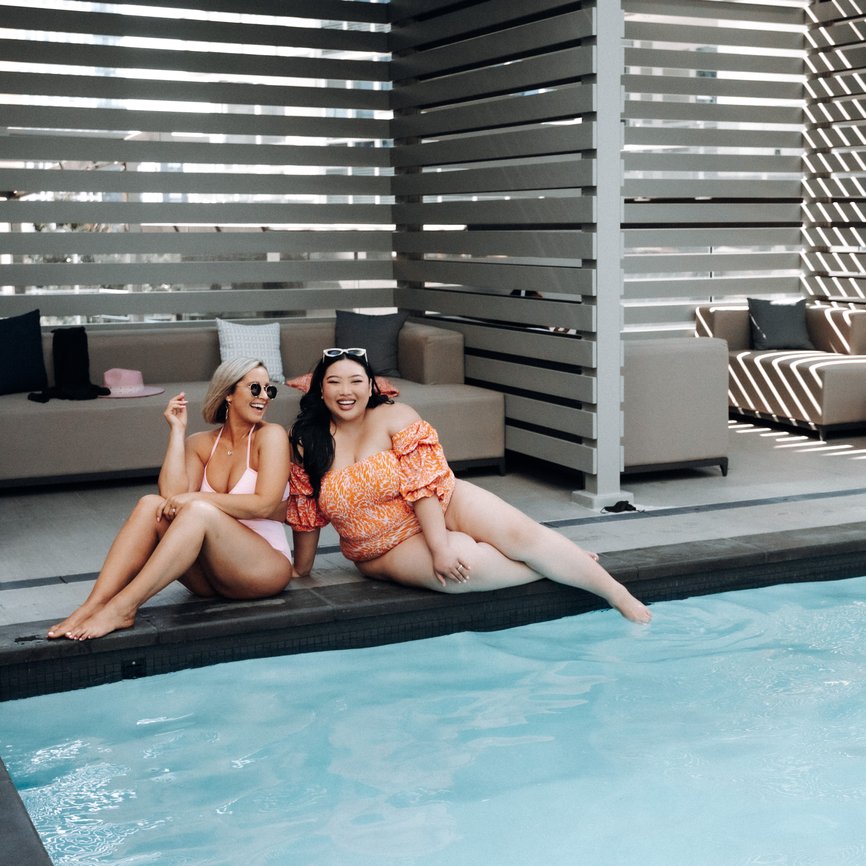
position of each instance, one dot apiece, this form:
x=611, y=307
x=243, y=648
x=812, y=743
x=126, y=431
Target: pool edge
x=364, y=612
x=21, y=842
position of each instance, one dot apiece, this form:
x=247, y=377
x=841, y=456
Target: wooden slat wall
x=495, y=197
x=834, y=206
x=194, y=161
x=713, y=136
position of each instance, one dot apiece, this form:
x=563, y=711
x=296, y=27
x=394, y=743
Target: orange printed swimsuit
x=369, y=502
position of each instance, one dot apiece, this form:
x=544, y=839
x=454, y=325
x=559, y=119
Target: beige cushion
x=836, y=330
x=675, y=406
x=818, y=388
x=470, y=420
x=730, y=324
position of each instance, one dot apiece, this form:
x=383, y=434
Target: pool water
x=730, y=731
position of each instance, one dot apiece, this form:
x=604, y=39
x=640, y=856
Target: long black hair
x=312, y=442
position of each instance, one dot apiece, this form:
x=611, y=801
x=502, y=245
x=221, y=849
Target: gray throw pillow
x=778, y=324
x=376, y=334
x=252, y=341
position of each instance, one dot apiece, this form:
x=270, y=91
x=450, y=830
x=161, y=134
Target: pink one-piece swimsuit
x=273, y=531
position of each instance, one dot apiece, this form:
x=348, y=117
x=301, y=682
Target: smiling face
x=246, y=406
x=346, y=390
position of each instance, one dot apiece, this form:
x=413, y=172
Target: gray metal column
x=603, y=488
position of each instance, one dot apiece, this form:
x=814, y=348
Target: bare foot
x=632, y=609
x=72, y=622
x=101, y=623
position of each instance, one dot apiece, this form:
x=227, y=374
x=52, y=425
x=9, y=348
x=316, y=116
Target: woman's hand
x=171, y=506
x=175, y=412
x=447, y=565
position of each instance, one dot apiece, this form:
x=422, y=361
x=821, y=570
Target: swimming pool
x=729, y=731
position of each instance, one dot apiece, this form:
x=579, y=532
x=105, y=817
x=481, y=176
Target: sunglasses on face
x=256, y=389
x=350, y=353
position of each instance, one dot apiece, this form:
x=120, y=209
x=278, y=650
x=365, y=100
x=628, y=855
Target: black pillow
x=376, y=334
x=22, y=367
x=778, y=324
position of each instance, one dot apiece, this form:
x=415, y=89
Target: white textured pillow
x=252, y=341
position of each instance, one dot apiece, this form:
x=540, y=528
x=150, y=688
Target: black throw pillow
x=376, y=334
x=778, y=324
x=22, y=367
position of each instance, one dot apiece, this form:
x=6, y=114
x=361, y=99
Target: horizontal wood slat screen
x=494, y=115
x=834, y=184
x=157, y=151
x=165, y=161
x=193, y=304
x=713, y=151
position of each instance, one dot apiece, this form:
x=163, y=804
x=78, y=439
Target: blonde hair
x=222, y=383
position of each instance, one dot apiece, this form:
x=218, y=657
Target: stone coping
x=366, y=612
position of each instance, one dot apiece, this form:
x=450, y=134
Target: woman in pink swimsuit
x=376, y=471
x=210, y=526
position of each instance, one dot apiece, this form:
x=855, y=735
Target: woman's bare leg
x=411, y=564
x=235, y=562
x=487, y=518
x=136, y=541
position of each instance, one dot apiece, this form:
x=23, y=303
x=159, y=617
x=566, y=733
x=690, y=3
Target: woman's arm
x=423, y=469
x=446, y=564
x=272, y=446
x=174, y=475
x=302, y=514
x=305, y=545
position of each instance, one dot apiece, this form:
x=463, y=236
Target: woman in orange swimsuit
x=212, y=524
x=376, y=471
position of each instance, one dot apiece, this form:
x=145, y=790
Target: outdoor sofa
x=66, y=440
x=820, y=388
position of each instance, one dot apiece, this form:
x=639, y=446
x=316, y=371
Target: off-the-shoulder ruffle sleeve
x=303, y=513
x=424, y=470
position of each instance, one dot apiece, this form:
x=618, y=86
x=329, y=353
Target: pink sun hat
x=128, y=383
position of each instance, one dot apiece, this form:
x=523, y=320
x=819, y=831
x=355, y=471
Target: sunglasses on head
x=256, y=389
x=354, y=352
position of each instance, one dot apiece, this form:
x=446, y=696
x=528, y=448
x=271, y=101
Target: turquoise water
x=730, y=731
